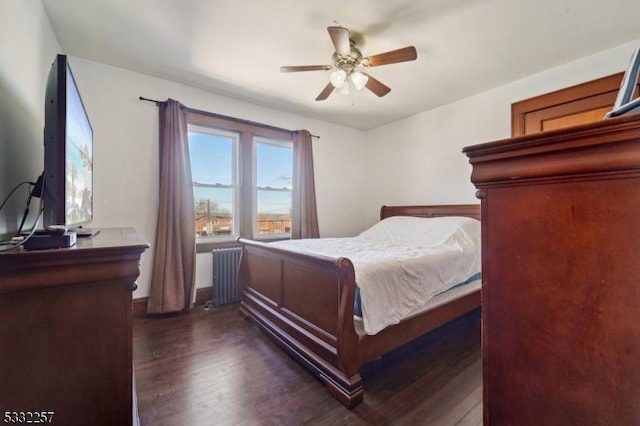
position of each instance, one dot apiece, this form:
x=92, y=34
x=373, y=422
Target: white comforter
x=401, y=262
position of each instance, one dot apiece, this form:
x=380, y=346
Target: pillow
x=430, y=231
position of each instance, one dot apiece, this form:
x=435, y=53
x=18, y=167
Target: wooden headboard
x=468, y=210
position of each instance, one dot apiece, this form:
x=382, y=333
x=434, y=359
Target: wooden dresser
x=561, y=275
x=65, y=330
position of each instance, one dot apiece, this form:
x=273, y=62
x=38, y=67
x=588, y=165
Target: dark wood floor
x=215, y=368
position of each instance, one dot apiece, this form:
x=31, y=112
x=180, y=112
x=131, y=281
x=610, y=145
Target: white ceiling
x=236, y=47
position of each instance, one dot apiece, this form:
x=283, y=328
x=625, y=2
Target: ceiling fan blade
x=325, y=92
x=306, y=68
x=400, y=55
x=340, y=38
x=376, y=87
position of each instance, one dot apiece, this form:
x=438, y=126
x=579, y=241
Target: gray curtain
x=173, y=274
x=304, y=215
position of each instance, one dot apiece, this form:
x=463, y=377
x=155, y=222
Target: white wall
x=126, y=154
x=418, y=160
x=27, y=49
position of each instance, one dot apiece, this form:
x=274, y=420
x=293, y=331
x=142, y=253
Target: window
x=273, y=162
x=242, y=180
x=214, y=170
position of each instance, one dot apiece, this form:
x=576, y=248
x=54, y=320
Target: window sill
x=272, y=239
x=207, y=246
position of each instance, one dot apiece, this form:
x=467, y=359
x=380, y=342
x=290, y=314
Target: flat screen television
x=68, y=151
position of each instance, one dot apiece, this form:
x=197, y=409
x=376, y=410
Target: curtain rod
x=239, y=120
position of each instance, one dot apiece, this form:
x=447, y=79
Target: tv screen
x=68, y=151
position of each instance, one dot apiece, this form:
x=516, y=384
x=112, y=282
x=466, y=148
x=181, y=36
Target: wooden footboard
x=305, y=303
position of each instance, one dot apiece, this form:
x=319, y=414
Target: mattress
x=435, y=302
x=402, y=262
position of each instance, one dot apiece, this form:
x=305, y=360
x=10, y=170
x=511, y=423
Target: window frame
x=247, y=131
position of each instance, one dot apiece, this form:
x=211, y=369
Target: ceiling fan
x=348, y=63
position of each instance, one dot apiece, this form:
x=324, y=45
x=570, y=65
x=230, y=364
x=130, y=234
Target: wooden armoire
x=561, y=275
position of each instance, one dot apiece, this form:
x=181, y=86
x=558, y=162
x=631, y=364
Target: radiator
x=225, y=272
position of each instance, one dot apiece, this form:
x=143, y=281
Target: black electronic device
x=86, y=232
x=625, y=102
x=43, y=240
x=68, y=151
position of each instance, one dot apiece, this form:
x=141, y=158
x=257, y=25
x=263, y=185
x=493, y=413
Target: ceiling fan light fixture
x=344, y=89
x=338, y=78
x=359, y=80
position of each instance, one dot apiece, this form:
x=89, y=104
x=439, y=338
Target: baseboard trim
x=203, y=295
x=139, y=306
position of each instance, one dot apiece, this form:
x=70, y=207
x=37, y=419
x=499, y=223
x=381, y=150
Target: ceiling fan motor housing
x=348, y=63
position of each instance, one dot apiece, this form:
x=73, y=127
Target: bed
x=305, y=303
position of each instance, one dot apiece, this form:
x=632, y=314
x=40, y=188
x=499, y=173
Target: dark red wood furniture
x=561, y=275
x=305, y=303
x=65, y=330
